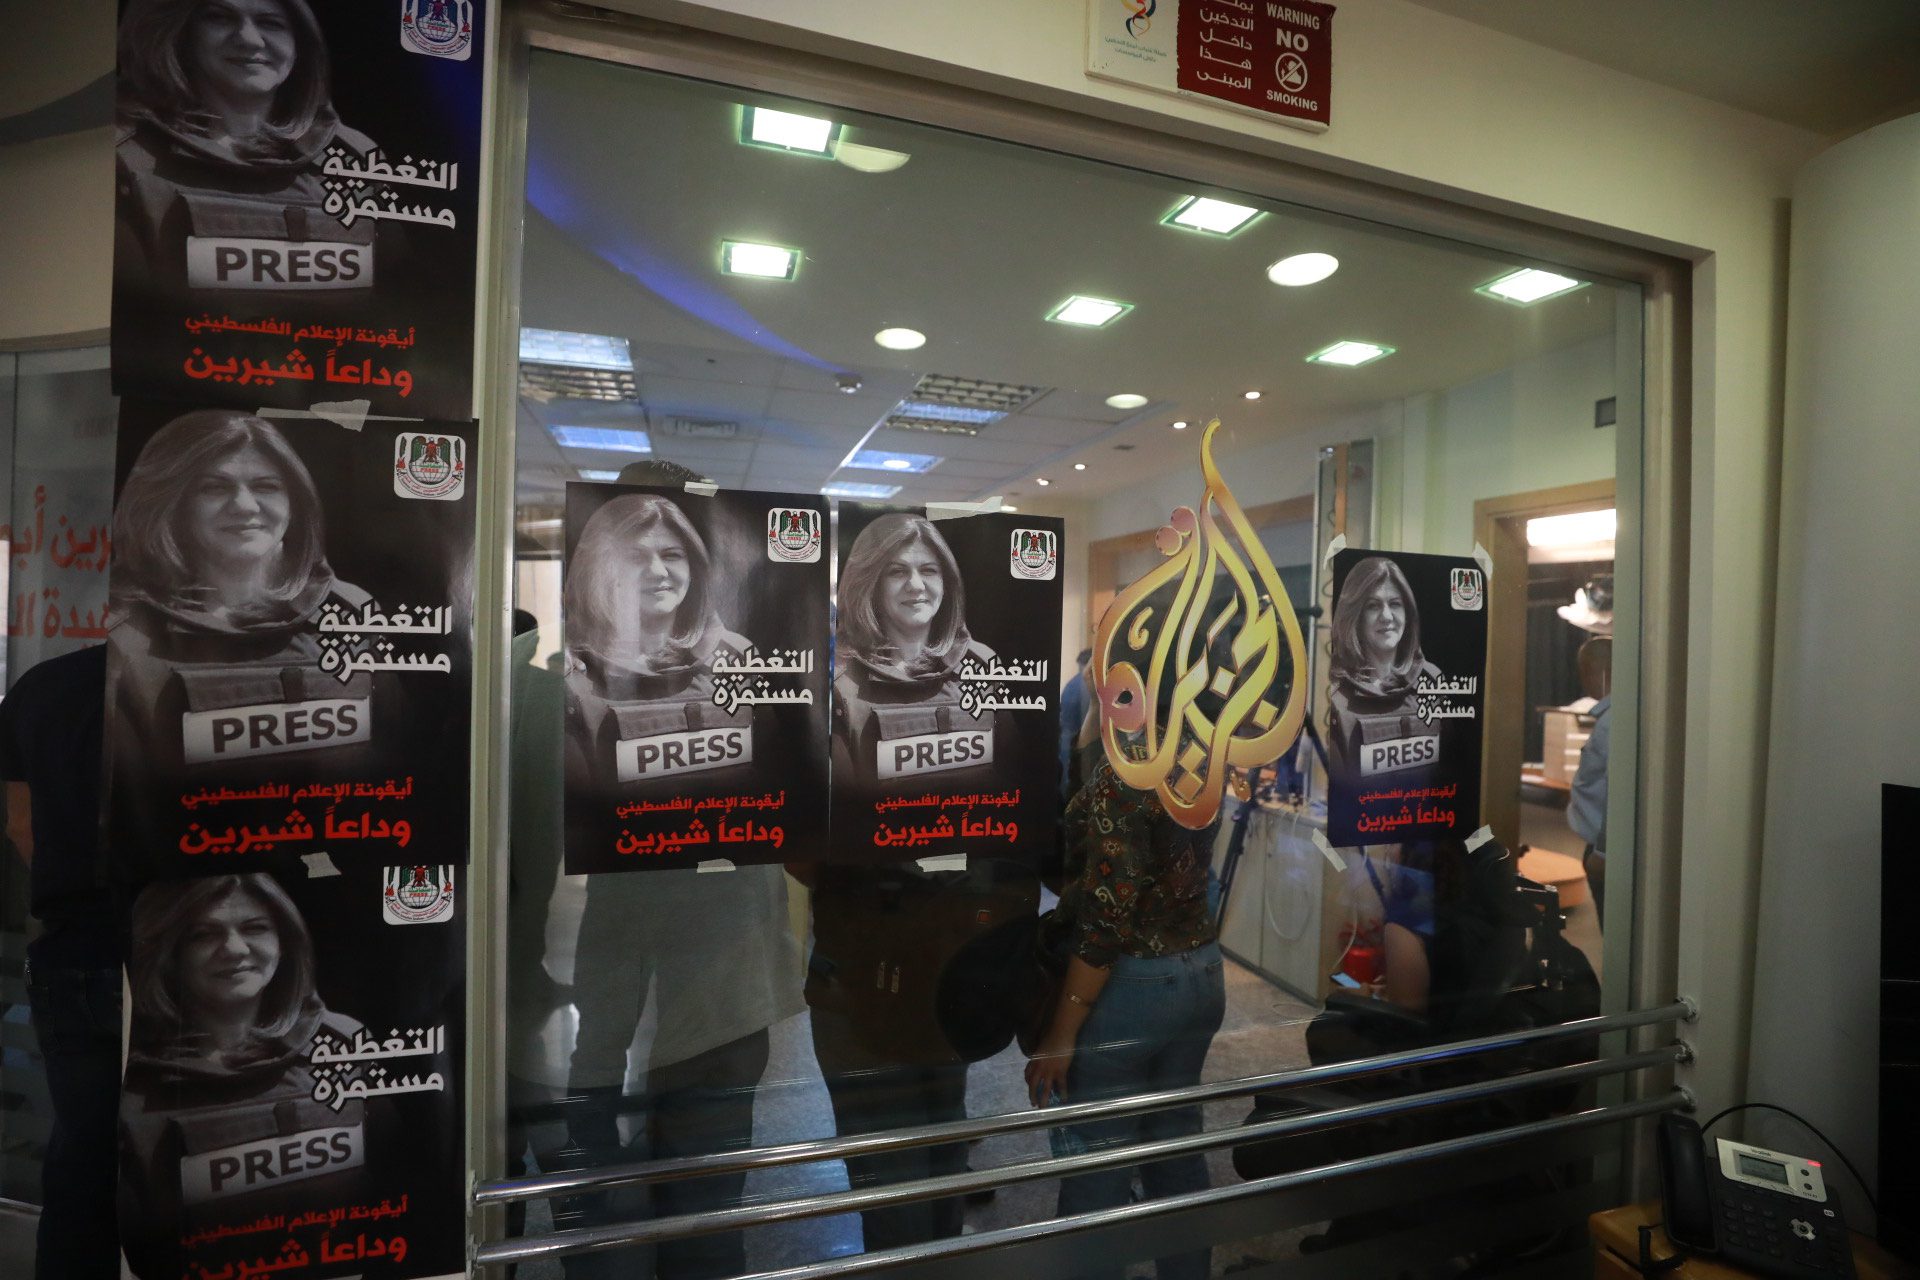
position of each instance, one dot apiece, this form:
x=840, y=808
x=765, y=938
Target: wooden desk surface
x=1617, y=1232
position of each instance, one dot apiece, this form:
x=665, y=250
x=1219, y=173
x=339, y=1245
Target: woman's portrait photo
x=900, y=642
x=1374, y=676
x=225, y=121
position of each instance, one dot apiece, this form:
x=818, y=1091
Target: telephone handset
x=1762, y=1210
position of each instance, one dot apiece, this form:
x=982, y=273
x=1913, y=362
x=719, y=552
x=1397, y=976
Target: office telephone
x=1762, y=1210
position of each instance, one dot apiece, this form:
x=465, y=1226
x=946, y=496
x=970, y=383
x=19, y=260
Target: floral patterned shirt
x=1137, y=880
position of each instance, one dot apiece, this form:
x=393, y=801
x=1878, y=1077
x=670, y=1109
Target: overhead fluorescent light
x=848, y=489
x=1079, y=466
x=978, y=417
x=887, y=460
x=599, y=473
x=1250, y=395
x=1349, y=353
x=602, y=439
x=1577, y=529
x=761, y=261
x=867, y=159
x=1089, y=313
x=1126, y=400
x=787, y=131
x=1303, y=269
x=1180, y=426
x=901, y=339
x=1529, y=285
x=1215, y=217
x=576, y=350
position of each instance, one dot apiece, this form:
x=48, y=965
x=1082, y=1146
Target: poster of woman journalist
x=290, y=640
x=296, y=193
x=945, y=685
x=1406, y=702
x=695, y=630
x=285, y=1102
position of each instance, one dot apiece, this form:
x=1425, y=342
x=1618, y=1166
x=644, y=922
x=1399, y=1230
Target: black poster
x=290, y=647
x=288, y=1108
x=946, y=701
x=297, y=195
x=696, y=659
x=1408, y=654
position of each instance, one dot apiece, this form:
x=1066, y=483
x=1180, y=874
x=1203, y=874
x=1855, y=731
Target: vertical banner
x=946, y=701
x=289, y=1109
x=696, y=642
x=290, y=657
x=1404, y=722
x=297, y=195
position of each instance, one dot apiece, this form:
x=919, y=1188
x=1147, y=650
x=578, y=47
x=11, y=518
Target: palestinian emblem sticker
x=1469, y=589
x=793, y=535
x=429, y=466
x=437, y=28
x=416, y=895
x=1035, y=554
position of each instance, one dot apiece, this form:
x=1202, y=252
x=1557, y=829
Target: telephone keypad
x=1774, y=1235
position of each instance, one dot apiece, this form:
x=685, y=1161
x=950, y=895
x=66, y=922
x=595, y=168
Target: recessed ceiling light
x=1215, y=217
x=1079, y=466
x=786, y=131
x=575, y=350
x=1251, y=395
x=867, y=159
x=901, y=339
x=1579, y=529
x=1529, y=285
x=1091, y=313
x=761, y=261
x=1180, y=426
x=1042, y=481
x=600, y=474
x=1303, y=268
x=888, y=460
x=848, y=489
x=1349, y=354
x=1126, y=400
x=603, y=439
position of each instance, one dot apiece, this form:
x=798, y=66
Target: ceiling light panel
x=787, y=131
x=602, y=439
x=600, y=474
x=1089, y=312
x=1214, y=217
x=901, y=339
x=576, y=350
x=1303, y=269
x=1126, y=400
x=848, y=489
x=1579, y=529
x=758, y=261
x=1349, y=354
x=887, y=460
x=972, y=393
x=1529, y=285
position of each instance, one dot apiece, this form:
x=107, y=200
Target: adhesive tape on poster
x=716, y=864
x=1334, y=548
x=945, y=862
x=319, y=866
x=961, y=510
x=1484, y=560
x=1479, y=838
x=703, y=489
x=1320, y=842
x=351, y=414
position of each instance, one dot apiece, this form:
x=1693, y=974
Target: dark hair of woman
x=157, y=74
x=604, y=556
x=164, y=919
x=154, y=559
x=863, y=635
x=1352, y=664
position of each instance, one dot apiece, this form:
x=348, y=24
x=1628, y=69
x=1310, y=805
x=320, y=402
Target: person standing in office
x=50, y=759
x=1592, y=611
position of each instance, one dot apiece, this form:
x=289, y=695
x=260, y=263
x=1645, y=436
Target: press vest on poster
x=215, y=262
x=270, y=1162
x=933, y=753
x=1399, y=753
x=273, y=728
x=666, y=754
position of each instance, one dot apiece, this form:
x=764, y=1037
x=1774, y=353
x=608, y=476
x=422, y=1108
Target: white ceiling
x=1832, y=66
x=637, y=178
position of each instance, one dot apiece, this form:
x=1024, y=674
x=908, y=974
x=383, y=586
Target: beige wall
x=1423, y=102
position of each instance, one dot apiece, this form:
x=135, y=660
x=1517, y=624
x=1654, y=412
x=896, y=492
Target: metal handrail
x=620, y=1235
x=542, y=1186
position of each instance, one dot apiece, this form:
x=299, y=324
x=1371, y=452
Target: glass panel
x=656, y=1014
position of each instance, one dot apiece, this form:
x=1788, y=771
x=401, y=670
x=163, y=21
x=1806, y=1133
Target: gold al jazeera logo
x=1215, y=654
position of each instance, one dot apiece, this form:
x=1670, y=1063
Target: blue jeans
x=76, y=1019
x=1150, y=1030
